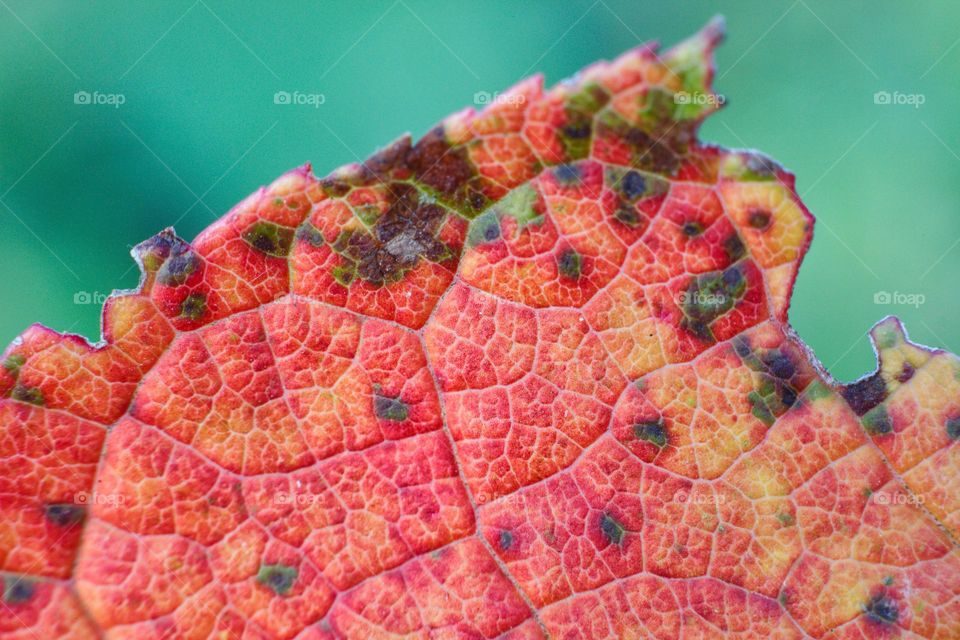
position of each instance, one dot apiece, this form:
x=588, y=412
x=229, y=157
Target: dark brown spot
x=405, y=233
x=906, y=372
x=445, y=169
x=759, y=219
x=761, y=165
x=866, y=393
x=627, y=215
x=153, y=252
x=648, y=153
x=391, y=161
x=709, y=296
x=30, y=395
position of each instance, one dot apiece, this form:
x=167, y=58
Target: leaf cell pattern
x=528, y=377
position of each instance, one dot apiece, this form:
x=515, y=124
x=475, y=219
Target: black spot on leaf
x=65, y=515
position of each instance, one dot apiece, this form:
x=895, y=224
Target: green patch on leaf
x=344, y=274
x=269, y=238
x=877, y=421
x=368, y=214
x=759, y=408
x=13, y=363
x=484, y=229
x=580, y=108
x=748, y=167
x=388, y=408
x=277, y=577
x=30, y=395
x=193, y=306
x=521, y=204
x=709, y=296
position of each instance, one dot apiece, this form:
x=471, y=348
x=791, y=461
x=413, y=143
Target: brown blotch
x=401, y=236
x=865, y=394
x=906, y=372
x=445, y=169
x=649, y=153
x=759, y=219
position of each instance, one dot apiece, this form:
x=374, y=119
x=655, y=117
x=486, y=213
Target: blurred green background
x=198, y=129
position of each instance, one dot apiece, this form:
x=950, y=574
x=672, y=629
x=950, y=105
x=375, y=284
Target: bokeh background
x=198, y=128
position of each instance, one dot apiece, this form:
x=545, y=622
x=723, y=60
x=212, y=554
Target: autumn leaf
x=530, y=376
